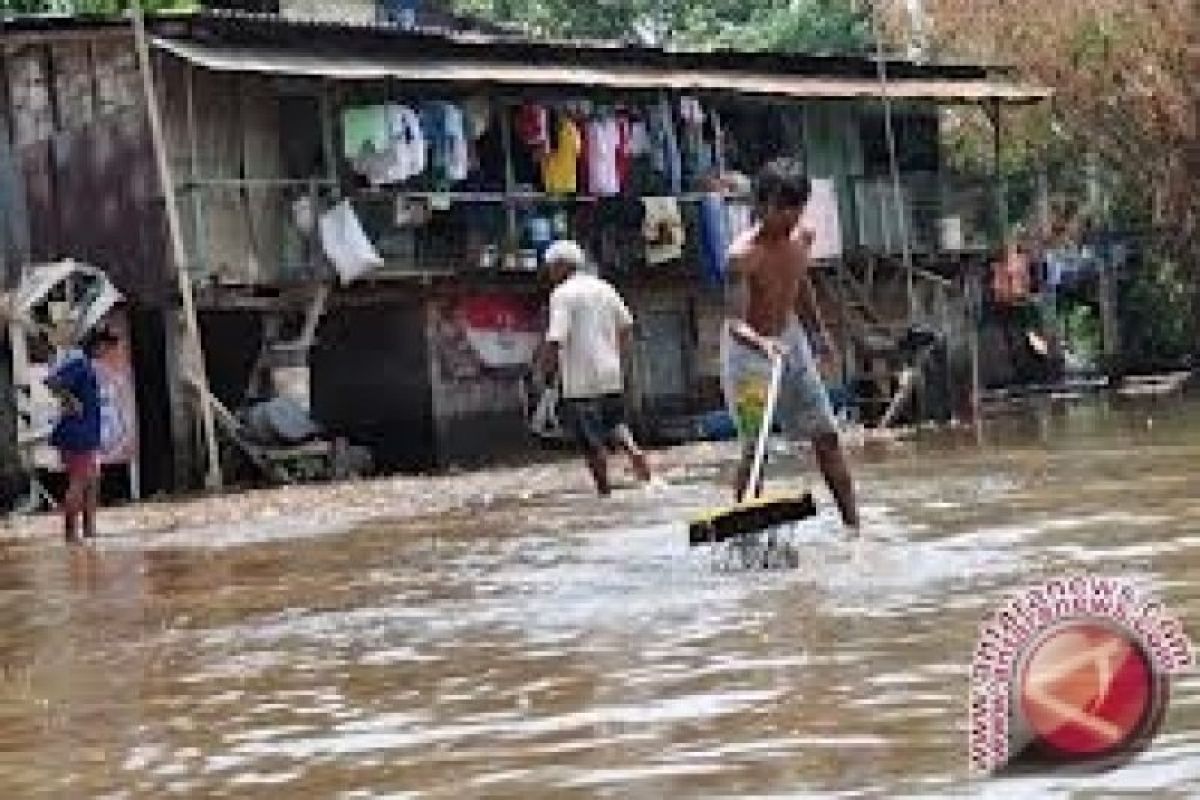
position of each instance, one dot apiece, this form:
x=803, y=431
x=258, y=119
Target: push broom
x=759, y=513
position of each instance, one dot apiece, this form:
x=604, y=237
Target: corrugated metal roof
x=617, y=76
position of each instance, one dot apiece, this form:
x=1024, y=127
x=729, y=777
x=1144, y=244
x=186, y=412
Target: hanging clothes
x=403, y=156
x=478, y=114
x=624, y=150
x=639, y=138
x=458, y=152
x=714, y=239
x=697, y=162
x=533, y=128
x=582, y=163
x=364, y=130
x=665, y=155
x=739, y=218
x=560, y=168
x=488, y=166
x=718, y=140
x=691, y=112
x=603, y=142
x=445, y=128
x=641, y=178
x=662, y=230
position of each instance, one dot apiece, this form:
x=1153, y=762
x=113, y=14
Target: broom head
x=750, y=516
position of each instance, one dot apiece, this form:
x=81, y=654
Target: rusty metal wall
x=82, y=158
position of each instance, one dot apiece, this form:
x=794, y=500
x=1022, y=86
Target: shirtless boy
x=772, y=312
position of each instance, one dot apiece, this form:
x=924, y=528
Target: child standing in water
x=76, y=435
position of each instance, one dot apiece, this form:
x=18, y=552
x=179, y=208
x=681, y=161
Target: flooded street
x=562, y=646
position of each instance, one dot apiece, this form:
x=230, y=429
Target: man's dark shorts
x=597, y=422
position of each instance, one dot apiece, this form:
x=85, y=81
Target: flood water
x=571, y=647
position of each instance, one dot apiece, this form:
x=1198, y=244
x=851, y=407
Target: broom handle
x=764, y=429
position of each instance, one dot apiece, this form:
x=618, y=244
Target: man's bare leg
x=597, y=461
x=832, y=461
x=637, y=457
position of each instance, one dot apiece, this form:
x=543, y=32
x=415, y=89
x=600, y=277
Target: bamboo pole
x=194, y=347
x=889, y=128
x=198, y=217
x=974, y=319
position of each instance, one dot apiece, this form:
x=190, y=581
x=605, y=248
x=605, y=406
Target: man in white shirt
x=591, y=329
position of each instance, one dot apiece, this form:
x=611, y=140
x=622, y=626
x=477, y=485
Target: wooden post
x=510, y=184
x=1109, y=326
x=194, y=162
x=1109, y=319
x=894, y=162
x=1049, y=294
x=195, y=370
x=325, y=107
x=997, y=121
x=974, y=308
x=326, y=103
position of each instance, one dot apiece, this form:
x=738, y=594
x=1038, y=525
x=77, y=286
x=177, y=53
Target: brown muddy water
x=568, y=647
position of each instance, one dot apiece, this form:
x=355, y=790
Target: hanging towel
x=364, y=130
x=662, y=230
x=346, y=245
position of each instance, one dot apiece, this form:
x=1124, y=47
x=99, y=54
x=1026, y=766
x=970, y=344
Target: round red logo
x=1089, y=691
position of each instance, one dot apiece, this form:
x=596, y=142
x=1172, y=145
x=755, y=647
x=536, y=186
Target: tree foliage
x=786, y=25
x=1126, y=77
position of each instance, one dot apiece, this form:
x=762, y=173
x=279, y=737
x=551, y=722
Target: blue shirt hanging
x=665, y=153
x=714, y=239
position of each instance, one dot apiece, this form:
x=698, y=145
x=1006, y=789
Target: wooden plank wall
x=233, y=233
x=81, y=148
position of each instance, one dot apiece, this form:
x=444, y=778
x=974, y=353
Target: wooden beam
x=195, y=348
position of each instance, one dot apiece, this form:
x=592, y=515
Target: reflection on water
x=572, y=647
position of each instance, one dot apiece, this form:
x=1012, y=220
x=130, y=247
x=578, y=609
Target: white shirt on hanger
x=603, y=141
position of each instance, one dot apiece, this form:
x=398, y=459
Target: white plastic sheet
x=346, y=244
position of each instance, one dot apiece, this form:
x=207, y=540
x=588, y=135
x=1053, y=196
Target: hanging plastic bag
x=346, y=245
